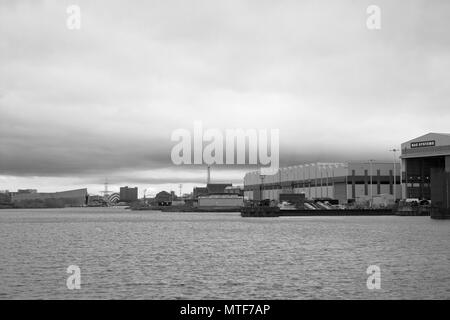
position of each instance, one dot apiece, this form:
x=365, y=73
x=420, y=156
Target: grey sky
x=77, y=106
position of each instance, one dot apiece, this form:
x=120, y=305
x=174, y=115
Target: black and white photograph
x=200, y=151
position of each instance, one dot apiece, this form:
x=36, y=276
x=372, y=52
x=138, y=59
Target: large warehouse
x=72, y=197
x=425, y=164
x=341, y=181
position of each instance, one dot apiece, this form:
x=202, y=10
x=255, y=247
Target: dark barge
x=276, y=212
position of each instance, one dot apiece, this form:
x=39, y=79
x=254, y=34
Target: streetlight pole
x=371, y=181
x=345, y=166
x=303, y=179
x=332, y=181
x=315, y=181
x=262, y=187
x=309, y=179
x=395, y=180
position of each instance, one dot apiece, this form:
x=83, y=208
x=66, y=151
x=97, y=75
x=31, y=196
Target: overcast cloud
x=77, y=106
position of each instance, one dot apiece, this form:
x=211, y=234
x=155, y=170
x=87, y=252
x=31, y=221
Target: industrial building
x=426, y=169
x=239, y=190
x=164, y=198
x=76, y=197
x=350, y=181
x=210, y=188
x=128, y=194
x=221, y=200
x=218, y=195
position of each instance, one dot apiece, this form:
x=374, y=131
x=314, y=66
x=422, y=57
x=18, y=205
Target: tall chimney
x=208, y=179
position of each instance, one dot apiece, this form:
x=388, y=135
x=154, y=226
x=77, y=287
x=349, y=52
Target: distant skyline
x=77, y=106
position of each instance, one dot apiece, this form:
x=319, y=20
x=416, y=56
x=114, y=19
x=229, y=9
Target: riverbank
x=276, y=212
x=187, y=209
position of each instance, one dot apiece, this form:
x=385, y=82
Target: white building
x=341, y=181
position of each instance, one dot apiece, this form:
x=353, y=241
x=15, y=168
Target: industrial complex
x=421, y=175
x=425, y=163
x=74, y=198
x=341, y=181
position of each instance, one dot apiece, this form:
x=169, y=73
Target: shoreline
x=258, y=212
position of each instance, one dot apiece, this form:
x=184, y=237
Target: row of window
x=313, y=184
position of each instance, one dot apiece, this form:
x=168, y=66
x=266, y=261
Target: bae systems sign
x=421, y=144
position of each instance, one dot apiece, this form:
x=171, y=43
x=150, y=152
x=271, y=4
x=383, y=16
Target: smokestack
x=208, y=179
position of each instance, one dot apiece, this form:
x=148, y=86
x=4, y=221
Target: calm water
x=152, y=255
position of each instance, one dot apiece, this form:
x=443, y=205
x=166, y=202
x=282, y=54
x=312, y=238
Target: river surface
x=152, y=255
